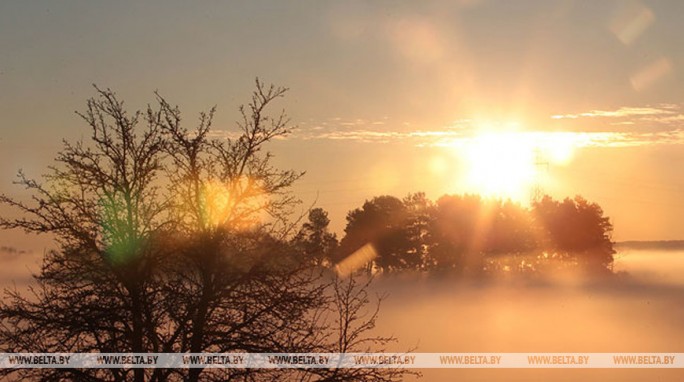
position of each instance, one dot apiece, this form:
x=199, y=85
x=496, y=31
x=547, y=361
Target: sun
x=503, y=160
x=500, y=164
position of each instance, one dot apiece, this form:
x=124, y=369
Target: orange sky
x=388, y=97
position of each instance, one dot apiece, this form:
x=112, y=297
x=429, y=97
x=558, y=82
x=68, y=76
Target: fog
x=641, y=311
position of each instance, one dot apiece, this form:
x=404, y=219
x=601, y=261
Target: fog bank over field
x=639, y=312
x=652, y=266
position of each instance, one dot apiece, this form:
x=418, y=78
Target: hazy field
x=641, y=313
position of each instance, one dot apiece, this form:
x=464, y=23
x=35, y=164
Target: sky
x=386, y=97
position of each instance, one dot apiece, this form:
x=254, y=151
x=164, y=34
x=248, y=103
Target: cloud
x=450, y=138
x=663, y=123
x=584, y=139
x=358, y=135
x=632, y=139
x=667, y=119
x=380, y=130
x=459, y=132
x=224, y=134
x=623, y=112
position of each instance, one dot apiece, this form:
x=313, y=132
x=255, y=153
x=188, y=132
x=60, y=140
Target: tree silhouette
x=223, y=186
x=466, y=234
x=170, y=241
x=576, y=228
x=420, y=216
x=101, y=203
x=314, y=241
x=455, y=238
x=382, y=222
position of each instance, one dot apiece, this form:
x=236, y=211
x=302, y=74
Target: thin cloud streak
x=588, y=139
x=450, y=138
x=623, y=112
x=379, y=130
x=463, y=130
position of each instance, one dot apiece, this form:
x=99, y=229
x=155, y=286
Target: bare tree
x=172, y=241
x=102, y=205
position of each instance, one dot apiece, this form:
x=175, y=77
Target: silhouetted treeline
x=468, y=234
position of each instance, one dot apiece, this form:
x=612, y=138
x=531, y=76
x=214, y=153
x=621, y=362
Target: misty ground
x=640, y=311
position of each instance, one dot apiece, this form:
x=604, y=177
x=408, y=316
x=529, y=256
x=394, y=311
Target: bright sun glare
x=509, y=164
x=499, y=164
